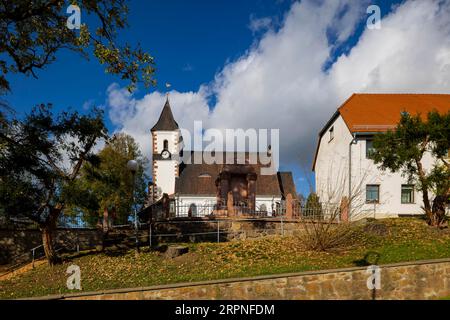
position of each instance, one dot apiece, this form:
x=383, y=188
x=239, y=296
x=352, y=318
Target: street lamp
x=133, y=167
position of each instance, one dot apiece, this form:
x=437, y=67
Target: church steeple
x=166, y=122
x=166, y=148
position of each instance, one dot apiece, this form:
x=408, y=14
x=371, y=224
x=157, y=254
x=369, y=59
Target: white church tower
x=166, y=138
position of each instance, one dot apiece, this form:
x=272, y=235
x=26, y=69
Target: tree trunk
x=47, y=242
x=104, y=229
x=426, y=200
x=48, y=228
x=105, y=224
x=439, y=203
x=427, y=207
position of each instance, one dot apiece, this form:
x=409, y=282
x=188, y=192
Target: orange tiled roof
x=380, y=112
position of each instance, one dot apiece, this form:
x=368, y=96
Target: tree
x=33, y=178
x=313, y=206
x=41, y=158
x=111, y=182
x=301, y=199
x=404, y=150
x=324, y=216
x=32, y=32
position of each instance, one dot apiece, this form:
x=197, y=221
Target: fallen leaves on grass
x=406, y=239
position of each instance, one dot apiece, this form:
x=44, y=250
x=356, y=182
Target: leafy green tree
x=111, y=182
x=313, y=206
x=42, y=155
x=32, y=32
x=404, y=150
x=41, y=159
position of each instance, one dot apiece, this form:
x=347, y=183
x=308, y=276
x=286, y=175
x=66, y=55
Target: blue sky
x=190, y=41
x=202, y=43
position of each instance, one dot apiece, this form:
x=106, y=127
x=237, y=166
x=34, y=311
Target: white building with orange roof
x=341, y=163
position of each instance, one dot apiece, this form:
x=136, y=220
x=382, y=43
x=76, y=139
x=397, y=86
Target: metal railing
x=329, y=212
x=187, y=230
x=214, y=210
x=65, y=222
x=317, y=212
x=193, y=210
x=31, y=256
x=214, y=229
x=36, y=253
x=77, y=222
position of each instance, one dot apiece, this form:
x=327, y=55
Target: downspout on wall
x=350, y=176
x=354, y=141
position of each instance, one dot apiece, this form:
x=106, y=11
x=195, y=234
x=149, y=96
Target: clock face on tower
x=165, y=154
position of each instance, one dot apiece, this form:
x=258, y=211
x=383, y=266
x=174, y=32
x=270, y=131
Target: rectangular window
x=331, y=132
x=407, y=193
x=172, y=207
x=372, y=193
x=369, y=148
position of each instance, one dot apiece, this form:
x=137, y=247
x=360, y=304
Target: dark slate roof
x=200, y=179
x=166, y=122
x=197, y=179
x=287, y=184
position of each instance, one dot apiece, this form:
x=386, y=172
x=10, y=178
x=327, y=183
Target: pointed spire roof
x=166, y=122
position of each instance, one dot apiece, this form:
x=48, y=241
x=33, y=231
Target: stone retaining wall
x=15, y=245
x=231, y=229
x=417, y=280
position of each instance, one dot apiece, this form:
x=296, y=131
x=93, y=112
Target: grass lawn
x=406, y=239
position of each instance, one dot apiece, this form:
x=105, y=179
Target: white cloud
x=137, y=117
x=259, y=24
x=88, y=104
x=121, y=104
x=411, y=53
x=281, y=83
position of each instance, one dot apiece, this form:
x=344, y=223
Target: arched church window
x=192, y=210
x=166, y=145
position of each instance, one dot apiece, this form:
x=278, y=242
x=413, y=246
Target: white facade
x=172, y=138
x=203, y=204
x=167, y=147
x=166, y=170
x=267, y=203
x=200, y=205
x=332, y=176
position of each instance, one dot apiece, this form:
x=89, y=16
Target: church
x=201, y=189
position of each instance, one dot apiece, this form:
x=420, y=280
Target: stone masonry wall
x=419, y=280
x=206, y=230
x=15, y=245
